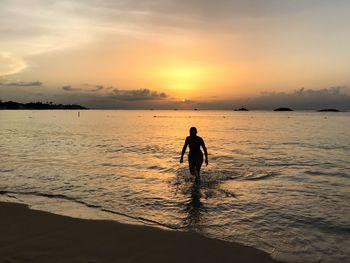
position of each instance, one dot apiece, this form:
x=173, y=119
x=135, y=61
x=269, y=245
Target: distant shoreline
x=170, y=110
x=12, y=105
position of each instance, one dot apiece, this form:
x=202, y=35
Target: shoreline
x=38, y=236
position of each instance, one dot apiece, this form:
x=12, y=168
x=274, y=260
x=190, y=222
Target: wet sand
x=35, y=236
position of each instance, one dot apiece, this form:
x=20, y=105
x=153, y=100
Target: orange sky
x=226, y=49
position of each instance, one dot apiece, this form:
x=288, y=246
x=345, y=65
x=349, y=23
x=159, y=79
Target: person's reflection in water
x=195, y=156
x=193, y=208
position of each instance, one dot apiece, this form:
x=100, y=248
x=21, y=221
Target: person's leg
x=198, y=165
x=191, y=165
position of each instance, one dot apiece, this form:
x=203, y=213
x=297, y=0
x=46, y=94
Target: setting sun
x=183, y=78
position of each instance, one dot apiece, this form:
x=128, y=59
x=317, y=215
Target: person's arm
x=205, y=152
x=183, y=151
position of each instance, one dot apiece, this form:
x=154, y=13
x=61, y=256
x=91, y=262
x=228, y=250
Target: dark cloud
x=93, y=87
x=108, y=98
x=70, y=88
x=187, y=14
x=138, y=94
x=21, y=83
x=114, y=99
x=96, y=88
x=187, y=101
x=114, y=94
x=301, y=99
x=307, y=99
x=208, y=8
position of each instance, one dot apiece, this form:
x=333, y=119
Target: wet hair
x=193, y=131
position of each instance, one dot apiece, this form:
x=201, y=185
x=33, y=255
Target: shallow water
x=278, y=181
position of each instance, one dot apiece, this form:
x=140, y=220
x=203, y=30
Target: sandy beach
x=36, y=236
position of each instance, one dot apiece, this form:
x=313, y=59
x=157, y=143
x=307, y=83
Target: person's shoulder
x=187, y=138
x=200, y=138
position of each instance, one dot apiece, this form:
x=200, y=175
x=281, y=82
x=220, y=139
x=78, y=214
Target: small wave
x=318, y=222
x=319, y=173
x=188, y=116
x=119, y=165
x=156, y=167
x=207, y=176
x=6, y=170
x=209, y=183
x=101, y=145
x=99, y=207
x=59, y=196
x=315, y=172
x=252, y=177
x=333, y=147
x=114, y=150
x=228, y=193
x=217, y=176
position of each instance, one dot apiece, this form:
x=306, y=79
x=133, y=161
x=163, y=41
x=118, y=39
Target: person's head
x=193, y=131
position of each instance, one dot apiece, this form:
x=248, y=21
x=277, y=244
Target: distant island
x=283, y=109
x=241, y=109
x=11, y=105
x=329, y=110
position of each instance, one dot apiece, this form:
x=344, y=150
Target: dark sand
x=35, y=236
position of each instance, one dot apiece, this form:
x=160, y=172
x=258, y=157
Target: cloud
x=113, y=98
x=137, y=94
x=70, y=88
x=301, y=99
x=17, y=83
x=186, y=101
x=10, y=64
x=51, y=22
x=204, y=10
x=100, y=92
x=108, y=97
x=33, y=27
x=96, y=88
x=25, y=84
x=307, y=98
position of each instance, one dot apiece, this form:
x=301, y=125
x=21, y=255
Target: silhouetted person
x=195, y=157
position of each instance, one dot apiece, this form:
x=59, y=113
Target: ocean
x=277, y=181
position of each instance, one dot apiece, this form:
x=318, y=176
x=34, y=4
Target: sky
x=140, y=54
